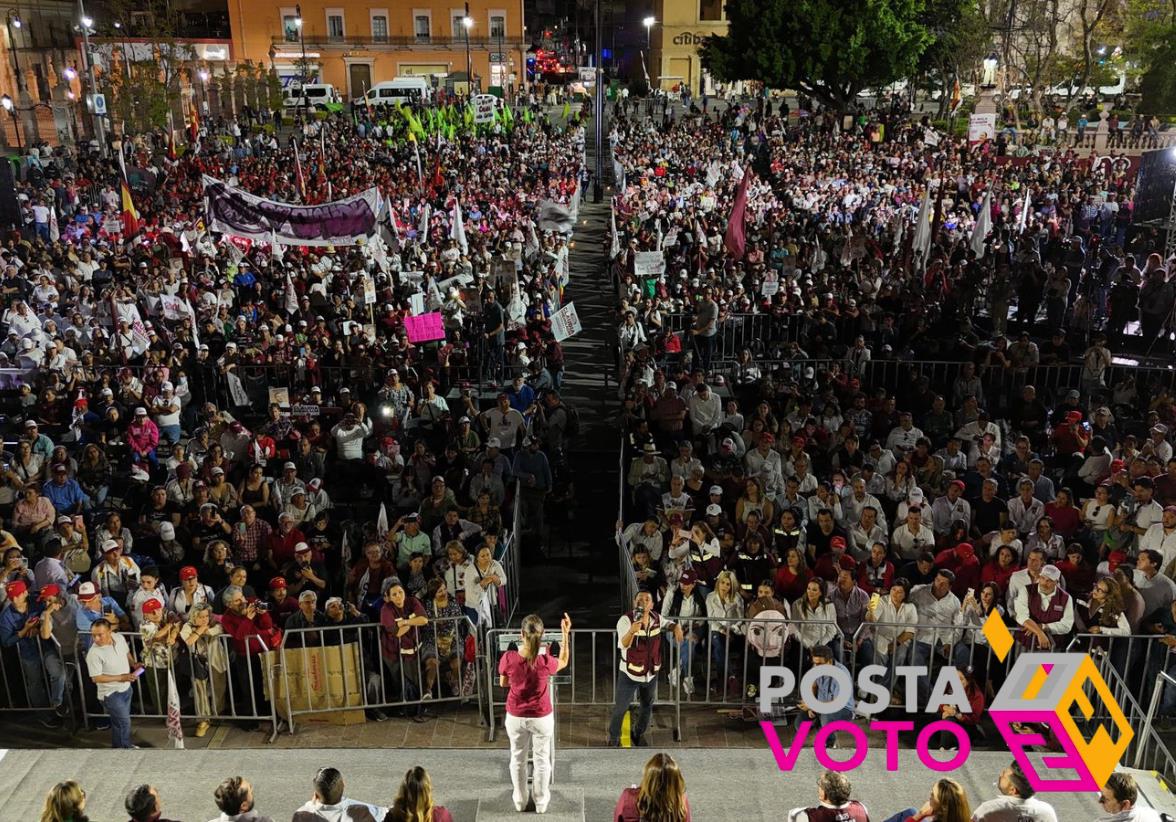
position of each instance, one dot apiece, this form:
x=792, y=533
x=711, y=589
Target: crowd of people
x=882, y=515
x=659, y=797
x=217, y=446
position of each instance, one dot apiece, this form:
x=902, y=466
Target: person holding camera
x=304, y=574
x=530, y=718
x=639, y=638
x=252, y=629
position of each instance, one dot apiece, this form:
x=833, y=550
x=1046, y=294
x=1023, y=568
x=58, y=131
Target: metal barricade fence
x=1151, y=753
x=223, y=684
x=588, y=680
x=38, y=685
x=510, y=557
x=348, y=668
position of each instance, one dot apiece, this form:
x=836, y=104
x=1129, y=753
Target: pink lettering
x=892, y=729
x=786, y=759
x=861, y=746
x=922, y=746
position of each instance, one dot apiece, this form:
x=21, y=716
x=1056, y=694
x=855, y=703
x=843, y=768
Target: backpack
x=572, y=429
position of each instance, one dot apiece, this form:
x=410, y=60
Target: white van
x=311, y=95
x=397, y=92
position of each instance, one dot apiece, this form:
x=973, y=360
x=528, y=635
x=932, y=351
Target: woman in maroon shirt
x=530, y=722
x=661, y=796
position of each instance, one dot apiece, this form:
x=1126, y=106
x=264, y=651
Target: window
x=457, y=16
x=335, y=24
x=380, y=25
x=497, y=25
x=710, y=10
x=422, y=26
x=290, y=25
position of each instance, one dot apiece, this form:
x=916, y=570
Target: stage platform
x=474, y=784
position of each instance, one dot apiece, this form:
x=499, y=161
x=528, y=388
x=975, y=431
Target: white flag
x=983, y=225
x=192, y=317
x=277, y=251
x=345, y=550
x=382, y=521
x=423, y=231
x=457, y=228
x=54, y=231
x=175, y=730
x=921, y=244
x=1023, y=219
x=291, y=297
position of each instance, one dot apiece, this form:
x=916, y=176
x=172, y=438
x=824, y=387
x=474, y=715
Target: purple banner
x=231, y=210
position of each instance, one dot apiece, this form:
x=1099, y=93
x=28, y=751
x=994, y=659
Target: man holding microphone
x=639, y=637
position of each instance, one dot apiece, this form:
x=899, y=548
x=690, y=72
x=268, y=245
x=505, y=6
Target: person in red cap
x=281, y=604
x=191, y=592
x=159, y=634
x=28, y=627
x=961, y=561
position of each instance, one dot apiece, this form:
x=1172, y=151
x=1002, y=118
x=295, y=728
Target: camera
x=260, y=607
x=638, y=614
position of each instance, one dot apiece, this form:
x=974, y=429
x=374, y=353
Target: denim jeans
x=626, y=689
x=171, y=433
x=39, y=673
x=118, y=708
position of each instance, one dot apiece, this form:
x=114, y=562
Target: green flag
x=567, y=110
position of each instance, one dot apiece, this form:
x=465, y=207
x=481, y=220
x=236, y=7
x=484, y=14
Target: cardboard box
x=317, y=684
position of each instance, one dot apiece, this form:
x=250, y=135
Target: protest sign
x=173, y=307
x=425, y=327
x=649, y=264
x=565, y=323
x=279, y=396
x=484, y=108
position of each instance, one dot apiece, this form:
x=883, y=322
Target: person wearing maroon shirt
x=530, y=718
x=792, y=576
x=969, y=721
x=280, y=603
x=400, y=617
x=962, y=562
x=283, y=541
x=829, y=565
x=1000, y=568
x=1078, y=573
x=253, y=632
x=661, y=795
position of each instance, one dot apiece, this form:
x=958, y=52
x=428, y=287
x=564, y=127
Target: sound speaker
x=9, y=208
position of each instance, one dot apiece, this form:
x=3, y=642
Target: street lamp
x=467, y=23
x=649, y=23
x=302, y=40
x=87, y=23
x=6, y=102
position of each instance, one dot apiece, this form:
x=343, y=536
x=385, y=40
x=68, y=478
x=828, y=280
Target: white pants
x=534, y=733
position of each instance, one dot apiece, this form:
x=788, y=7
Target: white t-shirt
x=1014, y=809
x=109, y=659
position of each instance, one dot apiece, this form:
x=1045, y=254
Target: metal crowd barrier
x=223, y=690
x=584, y=682
x=510, y=557
x=1151, y=753
x=15, y=680
x=343, y=671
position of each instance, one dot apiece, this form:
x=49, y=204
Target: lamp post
x=12, y=21
x=204, y=76
x=649, y=23
x=467, y=23
x=302, y=41
x=6, y=102
x=88, y=67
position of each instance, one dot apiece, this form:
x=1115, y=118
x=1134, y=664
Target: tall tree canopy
x=829, y=49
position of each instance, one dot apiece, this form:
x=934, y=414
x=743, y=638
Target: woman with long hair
x=65, y=802
x=414, y=800
x=661, y=797
x=530, y=718
x=948, y=802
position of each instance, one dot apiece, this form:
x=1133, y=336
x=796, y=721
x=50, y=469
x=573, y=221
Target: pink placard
x=425, y=327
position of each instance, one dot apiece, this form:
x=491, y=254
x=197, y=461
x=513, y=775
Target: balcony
x=391, y=42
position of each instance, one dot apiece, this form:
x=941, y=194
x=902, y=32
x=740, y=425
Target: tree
x=1157, y=87
x=961, y=37
x=828, y=49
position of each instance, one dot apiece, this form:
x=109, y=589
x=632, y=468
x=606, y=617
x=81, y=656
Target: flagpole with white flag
x=457, y=228
x=921, y=244
x=382, y=521
x=175, y=730
x=1023, y=218
x=291, y=297
x=983, y=225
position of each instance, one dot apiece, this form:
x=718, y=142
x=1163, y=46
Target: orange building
x=355, y=45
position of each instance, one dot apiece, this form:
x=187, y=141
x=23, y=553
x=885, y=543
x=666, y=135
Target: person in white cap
x=286, y=484
x=117, y=576
x=143, y=438
x=165, y=408
x=1045, y=612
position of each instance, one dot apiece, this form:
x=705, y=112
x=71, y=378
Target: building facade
x=356, y=45
x=674, y=39
x=39, y=70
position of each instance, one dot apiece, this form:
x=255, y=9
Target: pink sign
x=425, y=327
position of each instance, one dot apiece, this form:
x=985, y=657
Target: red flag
x=735, y=239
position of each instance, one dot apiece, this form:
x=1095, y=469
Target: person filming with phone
x=113, y=668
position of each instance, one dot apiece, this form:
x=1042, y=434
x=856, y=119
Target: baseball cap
x=48, y=592
x=140, y=411
x=63, y=520
x=15, y=588
x=837, y=542
x=689, y=577
x=87, y=591
x=110, y=545
x=152, y=605
x=493, y=443
x=716, y=490
x=301, y=548
x=714, y=510
x=289, y=466
x=276, y=583
x=187, y=572
x=846, y=563
x=167, y=531
x=965, y=549
x=1051, y=572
